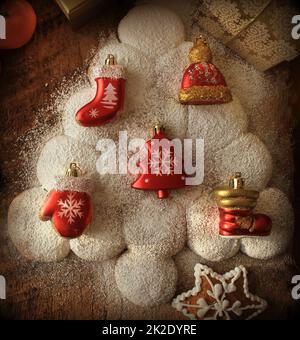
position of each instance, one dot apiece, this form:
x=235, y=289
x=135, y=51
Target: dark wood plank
x=28, y=76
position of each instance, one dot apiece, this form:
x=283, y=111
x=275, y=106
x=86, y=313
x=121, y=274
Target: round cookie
x=36, y=240
x=217, y=125
x=203, y=232
x=172, y=115
x=104, y=239
x=110, y=181
x=57, y=155
x=158, y=226
x=252, y=85
x=276, y=205
x=170, y=68
x=185, y=262
x=144, y=279
x=152, y=29
x=247, y=155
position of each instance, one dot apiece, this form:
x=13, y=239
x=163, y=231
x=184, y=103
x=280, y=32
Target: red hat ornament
x=202, y=82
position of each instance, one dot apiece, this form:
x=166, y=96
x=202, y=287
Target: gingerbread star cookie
x=219, y=297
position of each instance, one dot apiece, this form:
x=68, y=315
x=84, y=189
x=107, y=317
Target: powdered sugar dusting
x=35, y=239
x=146, y=274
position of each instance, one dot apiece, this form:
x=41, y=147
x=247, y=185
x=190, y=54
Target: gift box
x=257, y=30
x=78, y=11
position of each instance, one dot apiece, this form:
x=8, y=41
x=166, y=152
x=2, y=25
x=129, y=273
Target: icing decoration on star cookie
x=110, y=95
x=202, y=82
x=219, y=297
x=69, y=205
x=236, y=204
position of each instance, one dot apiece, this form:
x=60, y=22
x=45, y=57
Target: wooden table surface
x=28, y=76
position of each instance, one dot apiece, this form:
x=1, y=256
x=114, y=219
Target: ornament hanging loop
x=158, y=128
x=237, y=181
x=200, y=40
x=110, y=60
x=74, y=170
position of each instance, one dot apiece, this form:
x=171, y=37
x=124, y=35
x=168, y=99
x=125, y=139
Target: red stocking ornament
x=237, y=219
x=69, y=204
x=110, y=96
x=202, y=82
x=158, y=166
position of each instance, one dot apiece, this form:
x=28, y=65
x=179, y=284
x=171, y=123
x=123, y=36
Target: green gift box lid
x=78, y=11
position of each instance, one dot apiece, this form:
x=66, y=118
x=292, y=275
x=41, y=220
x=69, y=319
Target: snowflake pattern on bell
x=160, y=170
x=162, y=162
x=219, y=297
x=71, y=208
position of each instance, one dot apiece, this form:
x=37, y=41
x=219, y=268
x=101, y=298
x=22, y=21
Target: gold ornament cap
x=158, y=128
x=73, y=170
x=200, y=52
x=110, y=60
x=237, y=181
x=235, y=196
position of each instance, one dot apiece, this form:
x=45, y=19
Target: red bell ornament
x=159, y=166
x=110, y=96
x=237, y=219
x=202, y=82
x=69, y=204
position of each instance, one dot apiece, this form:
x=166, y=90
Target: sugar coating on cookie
x=247, y=155
x=264, y=96
x=203, y=231
x=217, y=125
x=156, y=225
x=57, y=155
x=104, y=239
x=170, y=114
x=154, y=229
x=185, y=262
x=113, y=181
x=164, y=29
x=276, y=205
x=34, y=239
x=144, y=279
x=170, y=68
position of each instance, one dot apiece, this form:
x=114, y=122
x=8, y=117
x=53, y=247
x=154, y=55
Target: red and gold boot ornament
x=110, y=96
x=69, y=204
x=202, y=82
x=158, y=167
x=236, y=204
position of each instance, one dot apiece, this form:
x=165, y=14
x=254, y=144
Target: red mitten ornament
x=237, y=219
x=202, y=82
x=110, y=96
x=69, y=204
x=159, y=166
